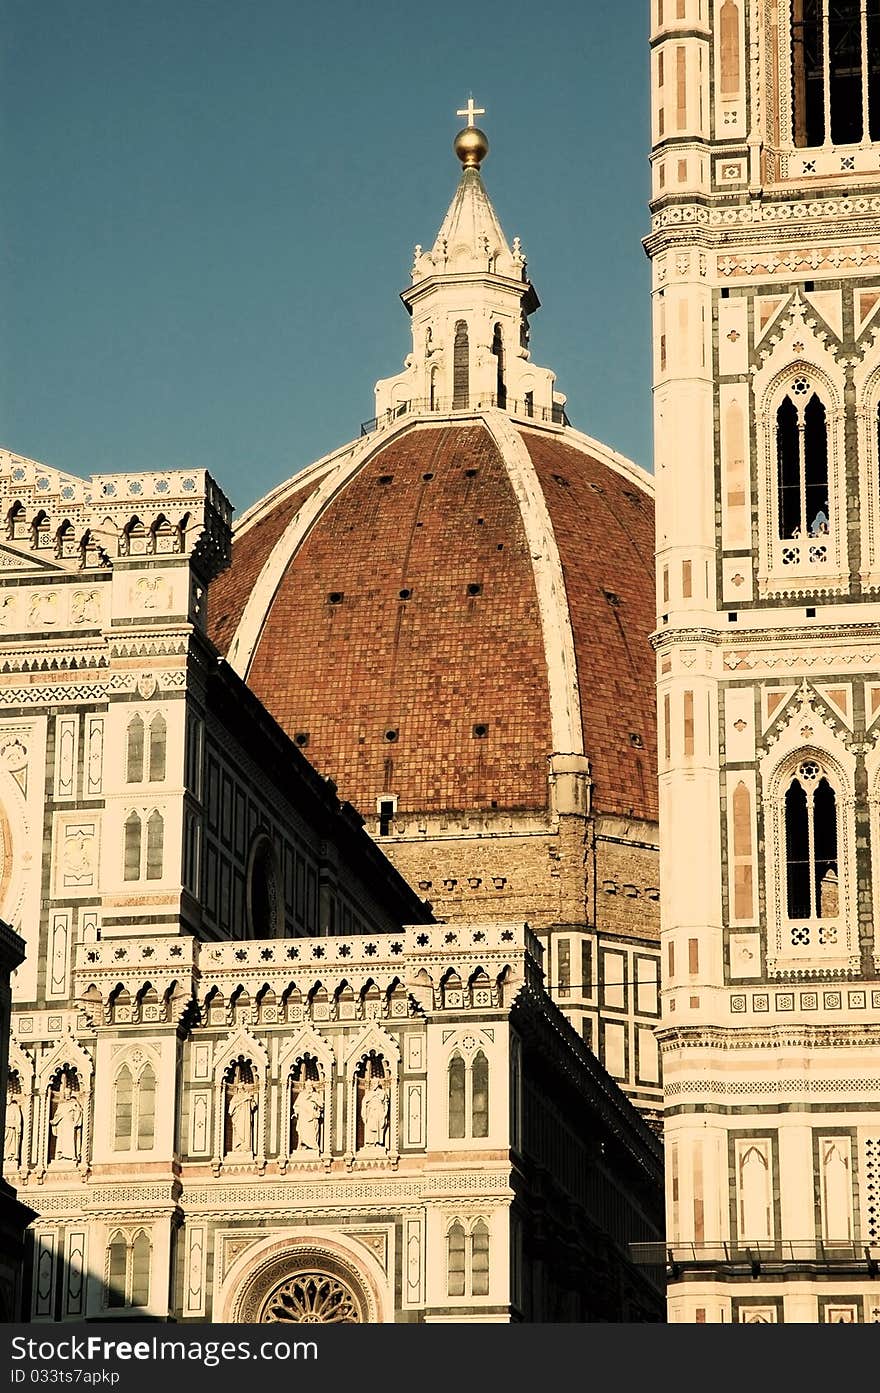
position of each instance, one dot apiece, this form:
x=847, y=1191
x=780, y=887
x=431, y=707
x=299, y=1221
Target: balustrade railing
x=443, y=406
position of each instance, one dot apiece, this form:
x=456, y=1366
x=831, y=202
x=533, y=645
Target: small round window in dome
x=336, y=597
x=597, y=488
x=427, y=478
x=391, y=735
x=301, y=738
x=386, y=478
x=475, y=588
x=563, y=483
x=405, y=594
x=636, y=741
x=481, y=730
x=471, y=473
x=263, y=893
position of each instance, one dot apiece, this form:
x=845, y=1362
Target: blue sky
x=210, y=208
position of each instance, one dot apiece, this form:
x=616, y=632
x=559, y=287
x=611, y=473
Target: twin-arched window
x=146, y=750
x=811, y=839
x=802, y=463
x=468, y=1096
x=134, y=1113
x=467, y=1259
x=142, y=854
x=128, y=1270
x=835, y=49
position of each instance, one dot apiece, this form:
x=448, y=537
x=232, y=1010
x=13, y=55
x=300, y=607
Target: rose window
x=312, y=1298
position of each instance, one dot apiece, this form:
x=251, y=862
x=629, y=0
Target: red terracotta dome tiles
x=408, y=618
x=230, y=592
x=604, y=527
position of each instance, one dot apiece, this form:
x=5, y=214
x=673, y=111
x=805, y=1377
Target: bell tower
x=765, y=251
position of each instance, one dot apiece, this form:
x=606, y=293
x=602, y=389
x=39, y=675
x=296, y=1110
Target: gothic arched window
x=158, y=739
x=811, y=838
x=134, y=1110
x=117, y=1270
x=132, y=848
x=146, y=1109
x=802, y=464
x=456, y=1096
x=467, y=1259
x=480, y=1259
x=134, y=767
x=835, y=71
x=155, y=841
x=461, y=368
x=455, y=1260
x=128, y=1270
x=730, y=48
x=480, y=1096
x=123, y=1110
x=468, y=1085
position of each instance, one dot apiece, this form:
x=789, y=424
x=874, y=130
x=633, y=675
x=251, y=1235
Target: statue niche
x=65, y=1118
x=14, y=1121
x=307, y=1109
x=372, y=1099
x=239, y=1109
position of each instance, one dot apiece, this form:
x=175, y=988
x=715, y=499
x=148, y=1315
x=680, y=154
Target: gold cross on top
x=470, y=111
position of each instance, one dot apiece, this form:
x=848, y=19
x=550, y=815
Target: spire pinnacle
x=471, y=145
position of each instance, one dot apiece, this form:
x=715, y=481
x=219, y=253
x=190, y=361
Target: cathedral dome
x=451, y=614
x=436, y=611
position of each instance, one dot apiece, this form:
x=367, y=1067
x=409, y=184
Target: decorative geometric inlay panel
x=872, y=1189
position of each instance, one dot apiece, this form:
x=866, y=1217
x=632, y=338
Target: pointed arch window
x=123, y=1110
x=802, y=465
x=457, y=1075
x=730, y=48
x=835, y=51
x=467, y=1259
x=134, y=1110
x=155, y=844
x=134, y=767
x=461, y=368
x=127, y=1280
x=480, y=1096
x=146, y=1109
x=456, y=1260
x=811, y=836
x=468, y=1094
x=143, y=856
x=158, y=742
x=132, y=848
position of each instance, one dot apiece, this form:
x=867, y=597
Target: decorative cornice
x=774, y=1037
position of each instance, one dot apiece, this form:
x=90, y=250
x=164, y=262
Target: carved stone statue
x=308, y=1111
x=374, y=1113
x=242, y=1105
x=66, y=1124
x=14, y=1128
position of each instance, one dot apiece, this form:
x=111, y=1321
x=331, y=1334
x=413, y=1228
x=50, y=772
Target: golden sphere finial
x=471, y=145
